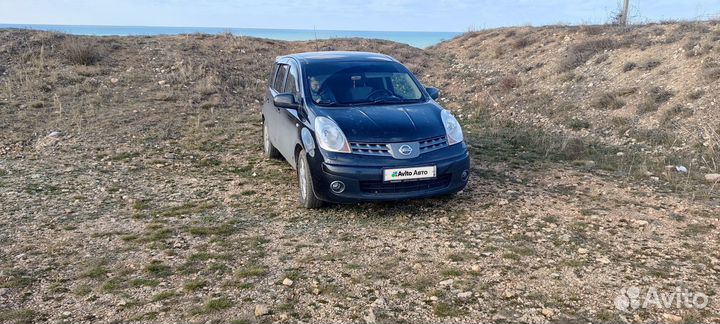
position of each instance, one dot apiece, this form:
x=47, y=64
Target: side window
x=291, y=84
x=280, y=77
x=271, y=77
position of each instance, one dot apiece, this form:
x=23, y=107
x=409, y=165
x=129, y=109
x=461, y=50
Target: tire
x=268, y=148
x=305, y=184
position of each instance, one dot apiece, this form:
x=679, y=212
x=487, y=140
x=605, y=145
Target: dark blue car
x=360, y=127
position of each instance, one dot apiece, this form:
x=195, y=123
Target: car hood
x=388, y=124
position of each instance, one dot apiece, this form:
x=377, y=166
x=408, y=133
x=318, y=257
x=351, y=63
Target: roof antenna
x=316, y=40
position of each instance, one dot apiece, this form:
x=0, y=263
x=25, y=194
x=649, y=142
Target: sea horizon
x=420, y=39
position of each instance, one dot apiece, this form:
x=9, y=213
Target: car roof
x=338, y=56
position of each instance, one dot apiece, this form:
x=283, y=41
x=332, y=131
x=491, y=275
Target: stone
x=55, y=134
x=712, y=177
x=547, y=312
x=369, y=317
x=641, y=222
x=447, y=282
x=603, y=260
x=475, y=268
x=464, y=295
x=672, y=318
x=582, y=250
x=114, y=80
x=287, y=282
x=261, y=310
x=379, y=303
x=162, y=82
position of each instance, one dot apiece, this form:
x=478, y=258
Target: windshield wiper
x=329, y=104
x=391, y=100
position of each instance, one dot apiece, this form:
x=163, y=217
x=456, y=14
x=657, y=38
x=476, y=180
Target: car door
x=270, y=112
x=288, y=118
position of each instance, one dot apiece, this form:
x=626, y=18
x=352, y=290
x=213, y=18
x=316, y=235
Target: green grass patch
x=214, y=305
x=165, y=295
x=452, y=272
x=185, y=209
x=222, y=230
x=158, y=269
x=143, y=282
x=251, y=271
x=17, y=316
x=95, y=272
x=443, y=309
x=195, y=284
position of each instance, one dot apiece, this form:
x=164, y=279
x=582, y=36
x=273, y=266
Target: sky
x=383, y=15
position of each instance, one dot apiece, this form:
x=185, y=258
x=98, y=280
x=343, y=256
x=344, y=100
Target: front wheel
x=307, y=194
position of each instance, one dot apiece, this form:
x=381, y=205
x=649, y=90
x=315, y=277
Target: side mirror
x=433, y=92
x=285, y=100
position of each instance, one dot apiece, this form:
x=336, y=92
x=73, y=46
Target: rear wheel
x=307, y=194
x=268, y=148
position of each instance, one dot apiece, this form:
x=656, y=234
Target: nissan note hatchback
x=360, y=127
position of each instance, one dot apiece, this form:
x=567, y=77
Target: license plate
x=427, y=172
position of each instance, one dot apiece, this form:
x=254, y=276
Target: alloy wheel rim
x=266, y=140
x=303, y=181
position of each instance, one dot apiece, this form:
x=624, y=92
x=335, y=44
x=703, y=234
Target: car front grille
x=405, y=186
x=382, y=149
x=370, y=149
x=433, y=144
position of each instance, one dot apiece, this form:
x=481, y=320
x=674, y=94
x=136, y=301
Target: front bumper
x=363, y=176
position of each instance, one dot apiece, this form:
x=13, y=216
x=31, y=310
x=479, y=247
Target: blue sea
x=417, y=39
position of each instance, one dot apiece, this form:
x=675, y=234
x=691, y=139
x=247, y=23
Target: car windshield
x=361, y=83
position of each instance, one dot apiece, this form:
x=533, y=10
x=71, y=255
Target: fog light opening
x=465, y=174
x=337, y=187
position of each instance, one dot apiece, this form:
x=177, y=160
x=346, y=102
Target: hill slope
x=650, y=87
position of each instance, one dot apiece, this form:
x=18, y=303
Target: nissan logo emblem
x=405, y=149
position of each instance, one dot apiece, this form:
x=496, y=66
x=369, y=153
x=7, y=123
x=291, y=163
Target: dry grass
x=509, y=83
x=80, y=51
x=607, y=101
x=580, y=53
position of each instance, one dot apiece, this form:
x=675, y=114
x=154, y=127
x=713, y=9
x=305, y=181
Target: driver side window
x=291, y=83
x=280, y=77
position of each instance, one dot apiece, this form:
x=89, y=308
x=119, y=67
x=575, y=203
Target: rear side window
x=280, y=77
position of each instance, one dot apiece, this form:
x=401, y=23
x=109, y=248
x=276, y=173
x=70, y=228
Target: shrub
x=654, y=136
x=697, y=94
x=660, y=95
x=607, y=101
x=522, y=43
x=80, y=52
x=649, y=65
x=510, y=82
x=712, y=74
x=578, y=124
x=499, y=51
x=656, y=97
x=593, y=30
x=581, y=53
x=671, y=113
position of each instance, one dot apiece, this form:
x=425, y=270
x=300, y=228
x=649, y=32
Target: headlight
x=329, y=136
x=452, y=128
